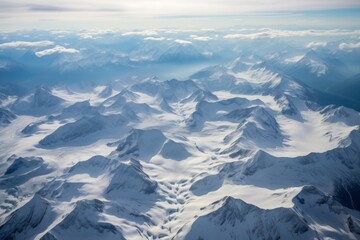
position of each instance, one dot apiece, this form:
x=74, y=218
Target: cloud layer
x=172, y=6
x=316, y=45
x=24, y=44
x=345, y=46
x=56, y=49
x=183, y=42
x=273, y=33
x=141, y=33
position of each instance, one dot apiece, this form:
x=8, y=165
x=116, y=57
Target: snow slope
x=241, y=151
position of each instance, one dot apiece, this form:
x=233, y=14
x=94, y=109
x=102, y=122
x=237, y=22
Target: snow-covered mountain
x=82, y=128
x=171, y=90
x=256, y=127
x=86, y=220
x=316, y=70
x=42, y=101
x=183, y=52
x=127, y=178
x=230, y=217
x=240, y=151
x=6, y=117
x=144, y=144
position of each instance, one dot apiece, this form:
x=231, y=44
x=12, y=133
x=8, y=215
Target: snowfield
x=239, y=151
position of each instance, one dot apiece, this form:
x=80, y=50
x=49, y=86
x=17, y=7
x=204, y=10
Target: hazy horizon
x=61, y=14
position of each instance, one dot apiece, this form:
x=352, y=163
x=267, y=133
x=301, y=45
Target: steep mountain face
x=174, y=150
x=142, y=144
x=107, y=92
x=23, y=169
x=81, y=128
x=6, y=117
x=129, y=178
x=257, y=126
x=94, y=166
x=241, y=151
x=41, y=102
x=217, y=111
x=314, y=63
x=3, y=97
x=84, y=174
x=120, y=99
x=318, y=208
x=341, y=114
x=32, y=128
x=86, y=220
x=23, y=165
x=129, y=105
x=229, y=217
x=43, y=98
x=234, y=218
x=171, y=90
x=78, y=110
x=200, y=95
x=267, y=80
x=287, y=105
x=145, y=144
x=316, y=71
x=29, y=220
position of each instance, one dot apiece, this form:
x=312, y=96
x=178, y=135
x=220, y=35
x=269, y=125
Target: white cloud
x=87, y=36
x=155, y=38
x=200, y=38
x=273, y=33
x=294, y=59
x=183, y=42
x=23, y=44
x=248, y=36
x=316, y=45
x=207, y=54
x=56, y=49
x=344, y=46
x=141, y=33
x=95, y=33
x=61, y=32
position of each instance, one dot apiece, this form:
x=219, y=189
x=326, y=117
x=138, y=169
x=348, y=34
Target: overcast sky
x=159, y=13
